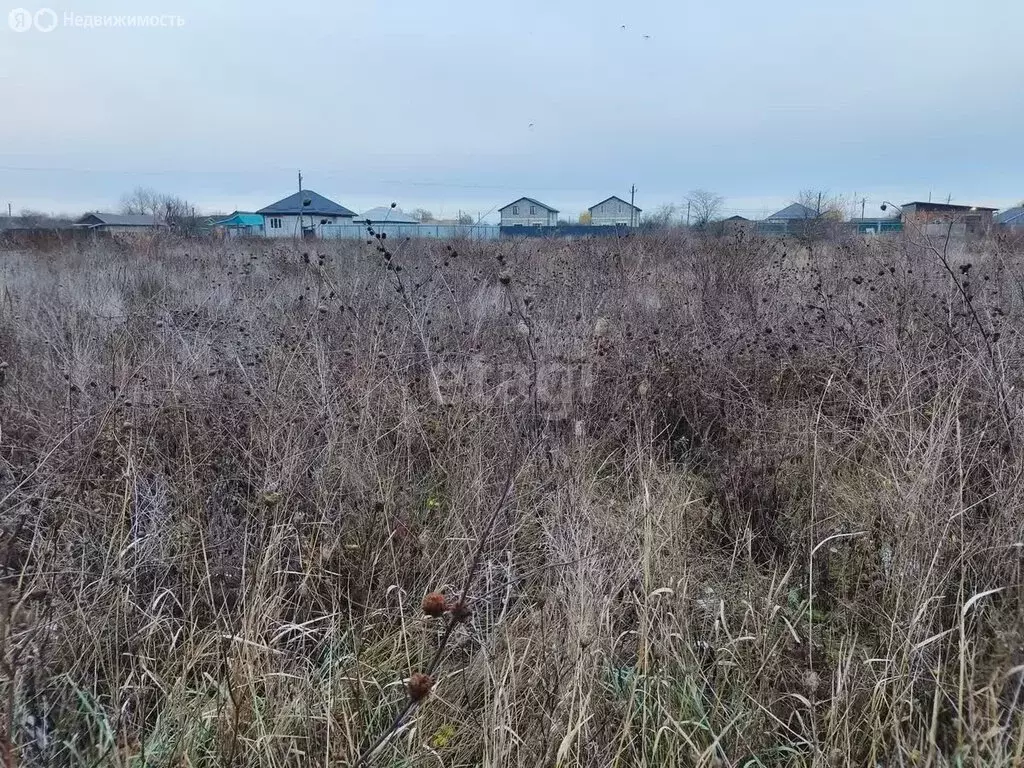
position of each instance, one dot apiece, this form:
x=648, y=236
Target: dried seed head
x=433, y=604
x=419, y=686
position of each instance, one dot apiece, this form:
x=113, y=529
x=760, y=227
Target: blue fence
x=402, y=231
x=566, y=231
x=572, y=231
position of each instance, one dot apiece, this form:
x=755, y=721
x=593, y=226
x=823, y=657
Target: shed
x=241, y=224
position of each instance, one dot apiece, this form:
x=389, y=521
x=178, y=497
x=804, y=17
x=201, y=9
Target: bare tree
x=662, y=217
x=422, y=215
x=704, y=207
x=824, y=203
x=466, y=219
x=176, y=212
x=141, y=201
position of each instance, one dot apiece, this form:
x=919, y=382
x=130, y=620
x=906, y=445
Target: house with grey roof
x=792, y=213
x=386, y=215
x=1011, y=219
x=527, y=212
x=120, y=223
x=614, y=211
x=303, y=214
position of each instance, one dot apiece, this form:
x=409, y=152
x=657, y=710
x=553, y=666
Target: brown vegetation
x=727, y=502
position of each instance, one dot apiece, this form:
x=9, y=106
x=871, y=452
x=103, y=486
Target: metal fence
x=467, y=231
x=569, y=231
x=401, y=231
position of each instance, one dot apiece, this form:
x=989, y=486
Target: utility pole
x=300, y=206
x=863, y=202
x=632, y=207
x=818, y=211
x=687, y=214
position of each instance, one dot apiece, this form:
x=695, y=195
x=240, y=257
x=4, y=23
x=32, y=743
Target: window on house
x=533, y=210
x=275, y=223
x=515, y=210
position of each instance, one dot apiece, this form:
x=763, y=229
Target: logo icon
x=45, y=20
x=20, y=20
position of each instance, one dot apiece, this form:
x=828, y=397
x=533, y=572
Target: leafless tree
x=704, y=207
x=141, y=201
x=824, y=203
x=662, y=217
x=176, y=212
x=422, y=215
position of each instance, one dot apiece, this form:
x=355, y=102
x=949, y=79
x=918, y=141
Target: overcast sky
x=466, y=105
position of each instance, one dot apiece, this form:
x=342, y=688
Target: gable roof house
x=794, y=212
x=386, y=215
x=1011, y=219
x=303, y=214
x=614, y=211
x=121, y=223
x=527, y=212
x=736, y=224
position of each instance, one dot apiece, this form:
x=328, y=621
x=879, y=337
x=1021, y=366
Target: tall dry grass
x=764, y=504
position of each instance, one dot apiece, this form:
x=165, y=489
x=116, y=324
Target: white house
x=614, y=212
x=302, y=215
x=386, y=215
x=527, y=212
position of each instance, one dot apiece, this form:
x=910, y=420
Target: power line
x=324, y=173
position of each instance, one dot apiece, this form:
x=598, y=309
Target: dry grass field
x=733, y=502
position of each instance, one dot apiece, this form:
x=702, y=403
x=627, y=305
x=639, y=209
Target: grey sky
x=431, y=104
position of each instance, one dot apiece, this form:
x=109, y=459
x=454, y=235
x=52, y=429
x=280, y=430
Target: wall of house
x=612, y=212
x=290, y=226
x=541, y=217
x=937, y=223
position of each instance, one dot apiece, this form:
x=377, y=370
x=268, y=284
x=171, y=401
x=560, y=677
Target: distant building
x=791, y=213
x=734, y=224
x=614, y=211
x=120, y=223
x=941, y=219
x=386, y=215
x=527, y=212
x=1011, y=219
x=240, y=224
x=302, y=215
x=33, y=223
